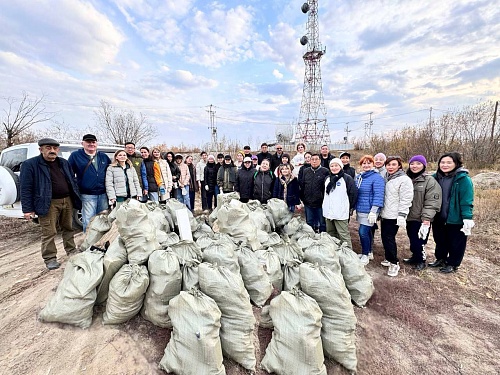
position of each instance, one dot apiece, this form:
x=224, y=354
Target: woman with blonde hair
x=156, y=177
x=287, y=187
x=122, y=181
x=299, y=159
x=240, y=155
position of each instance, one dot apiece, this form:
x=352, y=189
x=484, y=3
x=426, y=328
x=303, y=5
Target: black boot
x=448, y=269
x=420, y=266
x=438, y=263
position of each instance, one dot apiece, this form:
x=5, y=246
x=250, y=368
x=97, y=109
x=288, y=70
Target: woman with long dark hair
x=454, y=221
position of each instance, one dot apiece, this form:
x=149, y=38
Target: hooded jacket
x=122, y=182
x=398, y=195
x=338, y=203
x=226, y=177
x=210, y=176
x=371, y=188
x=461, y=197
x=244, y=182
x=263, y=185
x=426, y=198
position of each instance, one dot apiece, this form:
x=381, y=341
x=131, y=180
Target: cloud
x=70, y=34
x=277, y=74
x=374, y=37
x=487, y=71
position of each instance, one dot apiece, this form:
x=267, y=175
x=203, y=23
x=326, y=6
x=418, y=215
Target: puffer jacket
x=117, y=179
x=263, y=185
x=147, y=175
x=312, y=186
x=398, y=196
x=426, y=198
x=461, y=204
x=210, y=176
x=226, y=177
x=244, y=182
x=371, y=188
x=337, y=204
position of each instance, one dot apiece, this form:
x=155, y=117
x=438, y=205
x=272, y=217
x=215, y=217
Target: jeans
x=153, y=195
x=217, y=192
x=315, y=219
x=192, y=196
x=184, y=198
x=60, y=215
x=91, y=206
x=366, y=238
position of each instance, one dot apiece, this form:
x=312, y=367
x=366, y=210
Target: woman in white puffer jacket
x=397, y=202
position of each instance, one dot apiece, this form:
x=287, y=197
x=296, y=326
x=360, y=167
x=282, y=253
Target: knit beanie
x=419, y=158
x=380, y=155
x=338, y=161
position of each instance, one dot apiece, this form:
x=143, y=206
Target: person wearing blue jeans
x=90, y=167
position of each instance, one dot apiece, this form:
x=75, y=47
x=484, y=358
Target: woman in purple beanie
x=426, y=203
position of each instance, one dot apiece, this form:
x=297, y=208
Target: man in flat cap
x=90, y=168
x=49, y=190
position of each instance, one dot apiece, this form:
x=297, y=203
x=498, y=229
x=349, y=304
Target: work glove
x=372, y=218
x=206, y=187
x=401, y=222
x=468, y=225
x=423, y=232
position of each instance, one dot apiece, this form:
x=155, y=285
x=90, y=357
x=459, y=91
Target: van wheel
x=77, y=219
x=10, y=191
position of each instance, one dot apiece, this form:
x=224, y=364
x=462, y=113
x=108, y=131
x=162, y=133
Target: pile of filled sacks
x=204, y=288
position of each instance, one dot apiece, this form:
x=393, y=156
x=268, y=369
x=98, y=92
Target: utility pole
x=212, y=127
x=430, y=116
x=347, y=131
x=494, y=122
x=368, y=130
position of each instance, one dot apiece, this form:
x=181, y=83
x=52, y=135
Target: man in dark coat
x=312, y=190
x=325, y=156
x=49, y=190
x=263, y=154
x=276, y=158
x=244, y=180
x=346, y=159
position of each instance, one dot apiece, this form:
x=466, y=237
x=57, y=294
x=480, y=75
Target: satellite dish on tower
x=305, y=8
x=304, y=40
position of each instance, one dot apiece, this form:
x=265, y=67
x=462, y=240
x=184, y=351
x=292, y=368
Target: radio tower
x=312, y=127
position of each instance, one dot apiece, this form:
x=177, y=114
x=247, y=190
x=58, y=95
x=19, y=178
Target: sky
x=171, y=60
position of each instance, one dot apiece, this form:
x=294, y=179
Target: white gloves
x=423, y=232
x=372, y=218
x=221, y=192
x=401, y=222
x=206, y=187
x=468, y=225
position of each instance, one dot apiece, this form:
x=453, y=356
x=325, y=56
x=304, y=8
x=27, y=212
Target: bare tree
x=122, y=126
x=21, y=114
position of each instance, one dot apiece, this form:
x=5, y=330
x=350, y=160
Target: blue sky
x=171, y=59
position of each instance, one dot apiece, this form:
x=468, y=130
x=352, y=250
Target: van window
x=12, y=159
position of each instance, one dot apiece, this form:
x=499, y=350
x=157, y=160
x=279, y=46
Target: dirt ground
x=418, y=323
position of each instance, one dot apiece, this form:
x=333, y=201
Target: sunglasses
x=279, y=148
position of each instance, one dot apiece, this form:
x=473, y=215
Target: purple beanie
x=419, y=158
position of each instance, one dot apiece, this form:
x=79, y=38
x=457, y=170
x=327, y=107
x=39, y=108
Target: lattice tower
x=312, y=127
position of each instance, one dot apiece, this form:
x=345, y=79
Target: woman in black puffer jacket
x=263, y=183
x=210, y=178
x=244, y=180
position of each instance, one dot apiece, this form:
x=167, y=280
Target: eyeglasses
x=279, y=148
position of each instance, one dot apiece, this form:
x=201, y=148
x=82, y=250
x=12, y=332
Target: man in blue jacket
x=49, y=190
x=90, y=168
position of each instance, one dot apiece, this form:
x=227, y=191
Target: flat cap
x=48, y=142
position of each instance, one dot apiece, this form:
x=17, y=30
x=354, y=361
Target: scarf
x=285, y=181
x=333, y=181
x=414, y=175
x=398, y=173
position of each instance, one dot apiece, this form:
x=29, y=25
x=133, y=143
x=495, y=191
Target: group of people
x=327, y=187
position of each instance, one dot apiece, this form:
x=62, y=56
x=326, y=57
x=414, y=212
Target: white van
x=10, y=164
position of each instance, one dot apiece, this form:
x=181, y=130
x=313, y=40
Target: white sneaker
x=364, y=260
x=370, y=255
x=360, y=255
x=393, y=270
x=385, y=263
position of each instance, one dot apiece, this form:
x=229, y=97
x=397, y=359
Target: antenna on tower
x=368, y=131
x=312, y=127
x=212, y=127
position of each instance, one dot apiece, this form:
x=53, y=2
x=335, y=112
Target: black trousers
x=417, y=245
x=204, y=202
x=450, y=242
x=388, y=231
